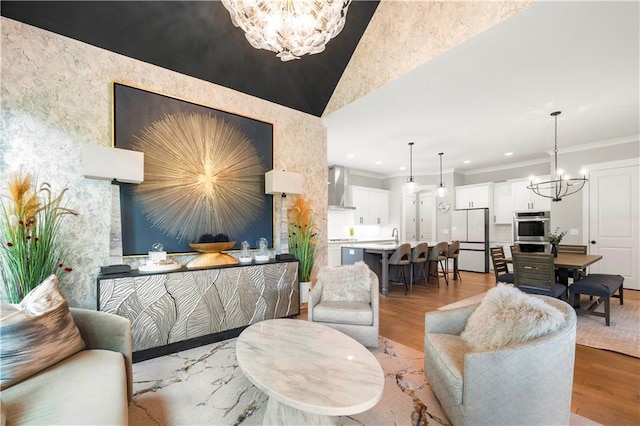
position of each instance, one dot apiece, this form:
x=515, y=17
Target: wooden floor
x=606, y=386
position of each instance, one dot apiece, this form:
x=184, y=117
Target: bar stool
x=438, y=254
x=419, y=257
x=453, y=251
x=400, y=258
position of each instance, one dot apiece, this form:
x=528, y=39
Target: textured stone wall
x=56, y=95
x=404, y=34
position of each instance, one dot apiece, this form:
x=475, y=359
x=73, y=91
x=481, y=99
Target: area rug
x=204, y=386
x=623, y=335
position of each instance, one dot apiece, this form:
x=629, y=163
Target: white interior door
x=614, y=222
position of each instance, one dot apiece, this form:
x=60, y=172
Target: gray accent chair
x=359, y=320
x=528, y=383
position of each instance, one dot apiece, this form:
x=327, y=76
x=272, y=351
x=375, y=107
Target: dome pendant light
x=563, y=184
x=412, y=187
x=442, y=190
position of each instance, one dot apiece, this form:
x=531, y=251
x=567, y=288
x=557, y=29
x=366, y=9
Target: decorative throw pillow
x=346, y=283
x=508, y=316
x=36, y=333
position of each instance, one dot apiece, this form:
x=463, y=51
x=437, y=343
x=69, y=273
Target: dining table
x=575, y=262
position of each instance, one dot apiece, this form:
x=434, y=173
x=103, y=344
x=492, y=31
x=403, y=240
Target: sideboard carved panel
x=173, y=307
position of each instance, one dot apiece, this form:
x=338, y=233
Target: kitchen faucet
x=394, y=233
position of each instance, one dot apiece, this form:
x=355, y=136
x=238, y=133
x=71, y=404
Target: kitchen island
x=376, y=256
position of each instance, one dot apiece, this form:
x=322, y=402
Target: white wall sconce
x=122, y=165
x=281, y=182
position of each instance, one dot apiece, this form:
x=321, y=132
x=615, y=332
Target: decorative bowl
x=212, y=247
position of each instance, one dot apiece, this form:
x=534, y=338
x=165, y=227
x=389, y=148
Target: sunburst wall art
x=204, y=172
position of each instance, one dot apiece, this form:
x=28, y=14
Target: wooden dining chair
x=563, y=274
x=438, y=255
x=535, y=273
x=500, y=267
x=400, y=258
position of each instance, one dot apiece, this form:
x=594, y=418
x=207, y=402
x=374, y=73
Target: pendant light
x=412, y=187
x=442, y=190
x=563, y=184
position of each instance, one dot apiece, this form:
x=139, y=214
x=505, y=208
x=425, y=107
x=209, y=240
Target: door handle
x=593, y=241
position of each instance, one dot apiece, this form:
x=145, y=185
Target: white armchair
x=347, y=298
x=525, y=383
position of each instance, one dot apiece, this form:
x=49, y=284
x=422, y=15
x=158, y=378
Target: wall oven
x=531, y=227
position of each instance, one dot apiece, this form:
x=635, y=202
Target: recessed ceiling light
x=350, y=156
x=378, y=162
x=466, y=161
x=507, y=154
x=403, y=168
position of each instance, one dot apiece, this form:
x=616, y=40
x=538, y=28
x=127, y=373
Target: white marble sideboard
x=177, y=310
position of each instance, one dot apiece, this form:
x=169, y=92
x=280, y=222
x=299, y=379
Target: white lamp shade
x=441, y=191
x=281, y=182
x=102, y=162
x=412, y=187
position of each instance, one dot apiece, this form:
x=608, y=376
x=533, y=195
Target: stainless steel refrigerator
x=471, y=228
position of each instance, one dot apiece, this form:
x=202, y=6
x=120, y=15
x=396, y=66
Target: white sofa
x=91, y=387
x=527, y=383
x=347, y=298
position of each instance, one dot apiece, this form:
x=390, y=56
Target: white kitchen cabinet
x=335, y=253
x=474, y=196
x=410, y=214
x=524, y=199
x=426, y=213
x=372, y=205
x=502, y=204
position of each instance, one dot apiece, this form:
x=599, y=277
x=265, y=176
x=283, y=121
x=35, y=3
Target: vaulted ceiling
x=475, y=79
x=197, y=38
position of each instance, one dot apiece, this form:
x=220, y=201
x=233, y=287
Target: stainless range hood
x=338, y=188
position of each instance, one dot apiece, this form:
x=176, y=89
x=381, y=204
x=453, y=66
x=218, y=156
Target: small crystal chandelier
x=412, y=187
x=291, y=28
x=563, y=184
x=441, y=191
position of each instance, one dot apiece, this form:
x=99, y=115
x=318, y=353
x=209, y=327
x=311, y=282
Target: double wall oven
x=530, y=229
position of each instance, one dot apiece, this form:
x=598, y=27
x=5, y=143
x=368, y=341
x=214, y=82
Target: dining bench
x=601, y=286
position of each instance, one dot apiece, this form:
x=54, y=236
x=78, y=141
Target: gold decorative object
x=212, y=255
x=201, y=174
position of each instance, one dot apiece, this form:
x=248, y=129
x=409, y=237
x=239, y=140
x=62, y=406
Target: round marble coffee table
x=309, y=371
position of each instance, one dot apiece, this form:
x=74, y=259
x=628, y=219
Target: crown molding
x=598, y=144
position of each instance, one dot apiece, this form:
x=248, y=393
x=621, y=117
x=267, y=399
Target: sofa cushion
x=36, y=333
x=343, y=313
x=349, y=283
x=445, y=353
x=87, y=388
x=508, y=316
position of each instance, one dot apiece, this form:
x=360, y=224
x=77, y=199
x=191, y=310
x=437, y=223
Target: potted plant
x=30, y=246
x=555, y=238
x=302, y=241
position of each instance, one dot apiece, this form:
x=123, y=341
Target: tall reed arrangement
x=30, y=246
x=302, y=236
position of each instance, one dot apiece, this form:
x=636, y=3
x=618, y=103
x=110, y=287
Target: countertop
x=381, y=245
x=356, y=241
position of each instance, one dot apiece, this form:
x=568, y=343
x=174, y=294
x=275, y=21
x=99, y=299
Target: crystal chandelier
x=563, y=184
x=412, y=187
x=291, y=28
x=441, y=191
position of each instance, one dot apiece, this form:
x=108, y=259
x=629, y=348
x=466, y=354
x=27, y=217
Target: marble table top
x=310, y=367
